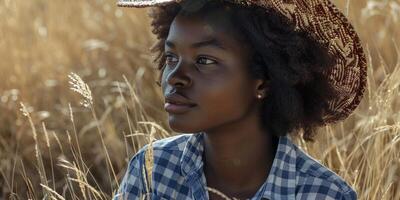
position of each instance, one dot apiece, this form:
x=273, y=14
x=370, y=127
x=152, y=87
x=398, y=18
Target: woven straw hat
x=327, y=25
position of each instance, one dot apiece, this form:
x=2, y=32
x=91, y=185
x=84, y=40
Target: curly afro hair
x=290, y=60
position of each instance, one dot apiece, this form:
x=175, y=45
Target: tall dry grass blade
x=91, y=189
x=80, y=162
x=164, y=133
x=146, y=196
x=79, y=86
x=58, y=142
x=31, y=191
x=50, y=154
x=347, y=9
x=5, y=179
x=130, y=125
x=82, y=179
x=147, y=171
x=383, y=65
x=79, y=174
x=93, y=178
x=52, y=192
x=149, y=158
x=108, y=160
x=140, y=112
x=371, y=82
x=41, y=170
x=127, y=153
x=137, y=134
x=71, y=187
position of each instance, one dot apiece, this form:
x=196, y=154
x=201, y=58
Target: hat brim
x=144, y=3
x=323, y=21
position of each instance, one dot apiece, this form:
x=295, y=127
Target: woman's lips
x=177, y=109
x=176, y=103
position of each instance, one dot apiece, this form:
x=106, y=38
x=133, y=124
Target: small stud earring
x=259, y=96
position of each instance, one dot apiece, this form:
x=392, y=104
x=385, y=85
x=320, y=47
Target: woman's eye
x=206, y=61
x=170, y=59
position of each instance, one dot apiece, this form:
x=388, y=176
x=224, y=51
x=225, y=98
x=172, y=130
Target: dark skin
x=238, y=153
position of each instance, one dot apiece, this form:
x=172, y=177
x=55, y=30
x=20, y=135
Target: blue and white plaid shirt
x=178, y=174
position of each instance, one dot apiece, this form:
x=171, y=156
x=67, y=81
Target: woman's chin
x=182, y=125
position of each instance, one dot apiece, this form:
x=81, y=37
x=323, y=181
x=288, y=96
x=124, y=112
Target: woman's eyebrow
x=207, y=42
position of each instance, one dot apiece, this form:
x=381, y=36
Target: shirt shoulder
x=177, y=142
x=315, y=181
x=166, y=174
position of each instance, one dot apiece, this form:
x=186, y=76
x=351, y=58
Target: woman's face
x=208, y=66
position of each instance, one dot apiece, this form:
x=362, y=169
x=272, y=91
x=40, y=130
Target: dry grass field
x=56, y=143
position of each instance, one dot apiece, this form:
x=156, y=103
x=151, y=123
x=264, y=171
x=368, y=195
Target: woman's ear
x=262, y=88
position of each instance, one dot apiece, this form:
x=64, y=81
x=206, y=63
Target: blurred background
x=53, y=147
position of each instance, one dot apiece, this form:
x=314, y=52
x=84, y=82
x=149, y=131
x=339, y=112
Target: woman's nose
x=179, y=76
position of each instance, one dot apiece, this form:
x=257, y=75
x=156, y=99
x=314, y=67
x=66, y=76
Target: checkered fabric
x=178, y=174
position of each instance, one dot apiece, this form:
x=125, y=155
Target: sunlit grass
x=52, y=146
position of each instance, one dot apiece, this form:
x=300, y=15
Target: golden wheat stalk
x=41, y=169
x=52, y=191
x=79, y=86
x=149, y=160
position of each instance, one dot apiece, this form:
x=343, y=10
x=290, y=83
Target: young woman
x=241, y=77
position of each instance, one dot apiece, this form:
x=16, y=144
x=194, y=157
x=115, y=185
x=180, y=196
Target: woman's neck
x=238, y=157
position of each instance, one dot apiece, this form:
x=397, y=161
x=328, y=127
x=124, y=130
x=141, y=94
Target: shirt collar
x=281, y=181
x=192, y=156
